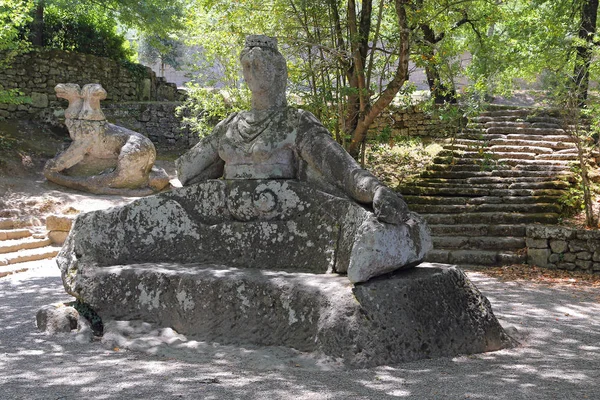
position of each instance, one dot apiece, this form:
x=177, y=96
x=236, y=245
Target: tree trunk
x=37, y=25
x=439, y=92
x=358, y=98
x=400, y=76
x=587, y=29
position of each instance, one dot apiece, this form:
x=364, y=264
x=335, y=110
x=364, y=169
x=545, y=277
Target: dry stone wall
x=409, y=121
x=559, y=247
x=157, y=121
x=37, y=73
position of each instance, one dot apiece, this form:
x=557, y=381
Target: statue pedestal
x=432, y=310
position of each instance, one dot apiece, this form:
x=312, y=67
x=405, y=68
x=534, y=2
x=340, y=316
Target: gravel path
x=559, y=357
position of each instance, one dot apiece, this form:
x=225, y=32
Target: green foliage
x=13, y=96
x=14, y=16
x=166, y=50
x=205, y=107
x=84, y=32
x=398, y=160
x=156, y=16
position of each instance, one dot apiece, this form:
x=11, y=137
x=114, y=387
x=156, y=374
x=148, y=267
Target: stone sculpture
x=103, y=158
x=296, y=246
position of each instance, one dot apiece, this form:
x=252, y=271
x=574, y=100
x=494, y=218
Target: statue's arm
x=74, y=154
x=202, y=161
x=321, y=152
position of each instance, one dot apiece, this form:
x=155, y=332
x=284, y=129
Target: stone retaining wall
x=563, y=248
x=157, y=121
x=409, y=121
x=36, y=74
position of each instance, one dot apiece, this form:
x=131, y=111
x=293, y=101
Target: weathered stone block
x=59, y=223
x=39, y=100
x=554, y=258
x=593, y=244
x=596, y=256
x=566, y=265
x=538, y=257
x=56, y=318
x=578, y=245
x=536, y=243
x=559, y=246
x=596, y=266
x=428, y=311
x=58, y=237
x=569, y=257
x=584, y=255
x=549, y=232
x=583, y=264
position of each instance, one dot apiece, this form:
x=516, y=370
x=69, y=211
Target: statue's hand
x=389, y=207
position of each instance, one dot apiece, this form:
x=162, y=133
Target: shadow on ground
x=559, y=357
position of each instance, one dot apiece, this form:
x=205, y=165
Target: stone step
x=507, y=124
x=462, y=191
x=547, y=119
x=500, y=167
x=543, y=138
x=11, y=234
x=525, y=131
x=504, y=184
x=523, y=143
x=524, y=124
x=494, y=155
x=478, y=208
x=516, y=230
x=491, y=218
x=484, y=180
x=508, y=140
x=476, y=257
x=479, y=242
x=14, y=245
x=9, y=212
x=474, y=134
x=6, y=270
x=410, y=200
x=507, y=113
x=19, y=222
x=504, y=174
x=539, y=161
x=40, y=253
x=558, y=156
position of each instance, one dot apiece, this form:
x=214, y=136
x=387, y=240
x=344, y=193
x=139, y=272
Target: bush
x=84, y=33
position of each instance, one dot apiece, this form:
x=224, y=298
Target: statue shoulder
x=306, y=117
x=222, y=126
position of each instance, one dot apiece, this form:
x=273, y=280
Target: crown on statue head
x=261, y=41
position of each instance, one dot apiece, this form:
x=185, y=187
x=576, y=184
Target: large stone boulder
x=428, y=311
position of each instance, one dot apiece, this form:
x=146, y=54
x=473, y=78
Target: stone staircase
x=507, y=169
x=22, y=240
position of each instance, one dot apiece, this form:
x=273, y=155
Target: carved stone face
x=67, y=90
x=258, y=73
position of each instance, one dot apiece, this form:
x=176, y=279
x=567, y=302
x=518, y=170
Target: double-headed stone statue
x=103, y=158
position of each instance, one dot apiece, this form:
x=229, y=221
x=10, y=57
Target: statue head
x=92, y=93
x=72, y=93
x=265, y=71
